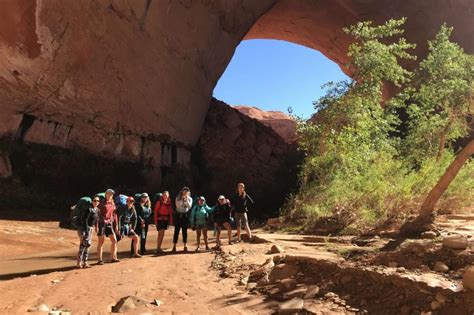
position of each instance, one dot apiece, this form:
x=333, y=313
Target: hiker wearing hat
x=127, y=224
x=199, y=219
x=163, y=216
x=143, y=208
x=107, y=226
x=183, y=203
x=222, y=219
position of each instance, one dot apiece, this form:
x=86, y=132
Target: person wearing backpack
x=107, y=226
x=127, y=223
x=163, y=216
x=183, y=202
x=85, y=220
x=240, y=205
x=199, y=219
x=222, y=219
x=143, y=208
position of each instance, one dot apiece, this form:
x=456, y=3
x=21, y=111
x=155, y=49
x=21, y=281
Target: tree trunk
x=443, y=183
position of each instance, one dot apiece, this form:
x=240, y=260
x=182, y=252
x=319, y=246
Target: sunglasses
x=221, y=199
x=96, y=200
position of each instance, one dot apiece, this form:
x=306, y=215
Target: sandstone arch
x=125, y=78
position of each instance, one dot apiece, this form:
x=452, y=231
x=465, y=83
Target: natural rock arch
x=127, y=78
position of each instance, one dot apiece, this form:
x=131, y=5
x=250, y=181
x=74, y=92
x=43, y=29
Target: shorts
x=128, y=231
x=105, y=229
x=162, y=225
x=241, y=218
x=221, y=222
x=201, y=226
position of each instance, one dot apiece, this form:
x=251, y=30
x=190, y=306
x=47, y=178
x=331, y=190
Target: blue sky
x=274, y=75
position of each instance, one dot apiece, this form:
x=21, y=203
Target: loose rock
x=286, y=285
x=312, y=292
x=440, y=298
x=468, y=278
x=276, y=249
x=282, y=271
x=128, y=303
x=441, y=267
x=456, y=242
x=292, y=306
x=428, y=235
x=39, y=308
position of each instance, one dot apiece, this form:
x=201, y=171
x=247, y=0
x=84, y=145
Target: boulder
x=440, y=267
x=456, y=242
x=128, y=303
x=468, y=278
x=39, y=308
x=276, y=249
x=311, y=292
x=287, y=285
x=283, y=271
x=291, y=306
x=428, y=235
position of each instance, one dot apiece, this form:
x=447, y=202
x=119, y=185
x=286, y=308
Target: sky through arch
x=275, y=75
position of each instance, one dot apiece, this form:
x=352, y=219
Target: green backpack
x=80, y=208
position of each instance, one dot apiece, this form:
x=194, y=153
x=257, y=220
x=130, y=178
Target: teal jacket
x=200, y=214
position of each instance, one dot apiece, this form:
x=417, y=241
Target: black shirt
x=241, y=203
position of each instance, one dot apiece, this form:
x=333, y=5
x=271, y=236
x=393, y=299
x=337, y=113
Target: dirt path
x=352, y=274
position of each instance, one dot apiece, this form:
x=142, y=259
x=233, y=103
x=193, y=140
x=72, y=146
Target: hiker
x=240, y=205
x=107, y=226
x=143, y=208
x=163, y=216
x=183, y=203
x=85, y=222
x=199, y=219
x=127, y=224
x=222, y=219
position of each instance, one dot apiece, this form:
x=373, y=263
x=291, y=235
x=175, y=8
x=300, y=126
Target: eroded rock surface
x=236, y=148
x=283, y=124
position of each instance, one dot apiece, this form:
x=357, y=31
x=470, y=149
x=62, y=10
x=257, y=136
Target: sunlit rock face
x=235, y=148
x=131, y=80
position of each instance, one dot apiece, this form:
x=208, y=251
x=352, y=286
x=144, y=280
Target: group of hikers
x=120, y=216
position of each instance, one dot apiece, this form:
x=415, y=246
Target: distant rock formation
x=236, y=148
x=283, y=124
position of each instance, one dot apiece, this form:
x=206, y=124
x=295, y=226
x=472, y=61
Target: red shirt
x=107, y=212
x=163, y=211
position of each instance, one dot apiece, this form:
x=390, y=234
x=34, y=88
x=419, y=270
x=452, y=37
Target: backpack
x=82, y=205
x=121, y=200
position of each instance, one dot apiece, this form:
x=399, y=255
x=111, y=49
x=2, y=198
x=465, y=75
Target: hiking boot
x=207, y=248
x=86, y=265
x=174, y=249
x=137, y=256
x=100, y=262
x=198, y=249
x=79, y=265
x=185, y=249
x=115, y=260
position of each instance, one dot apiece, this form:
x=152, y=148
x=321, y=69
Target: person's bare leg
x=135, y=245
x=247, y=229
x=229, y=231
x=204, y=232
x=161, y=235
x=238, y=231
x=198, y=236
x=100, y=247
x=113, y=247
x=218, y=236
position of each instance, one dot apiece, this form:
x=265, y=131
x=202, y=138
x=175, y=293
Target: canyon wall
x=130, y=81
